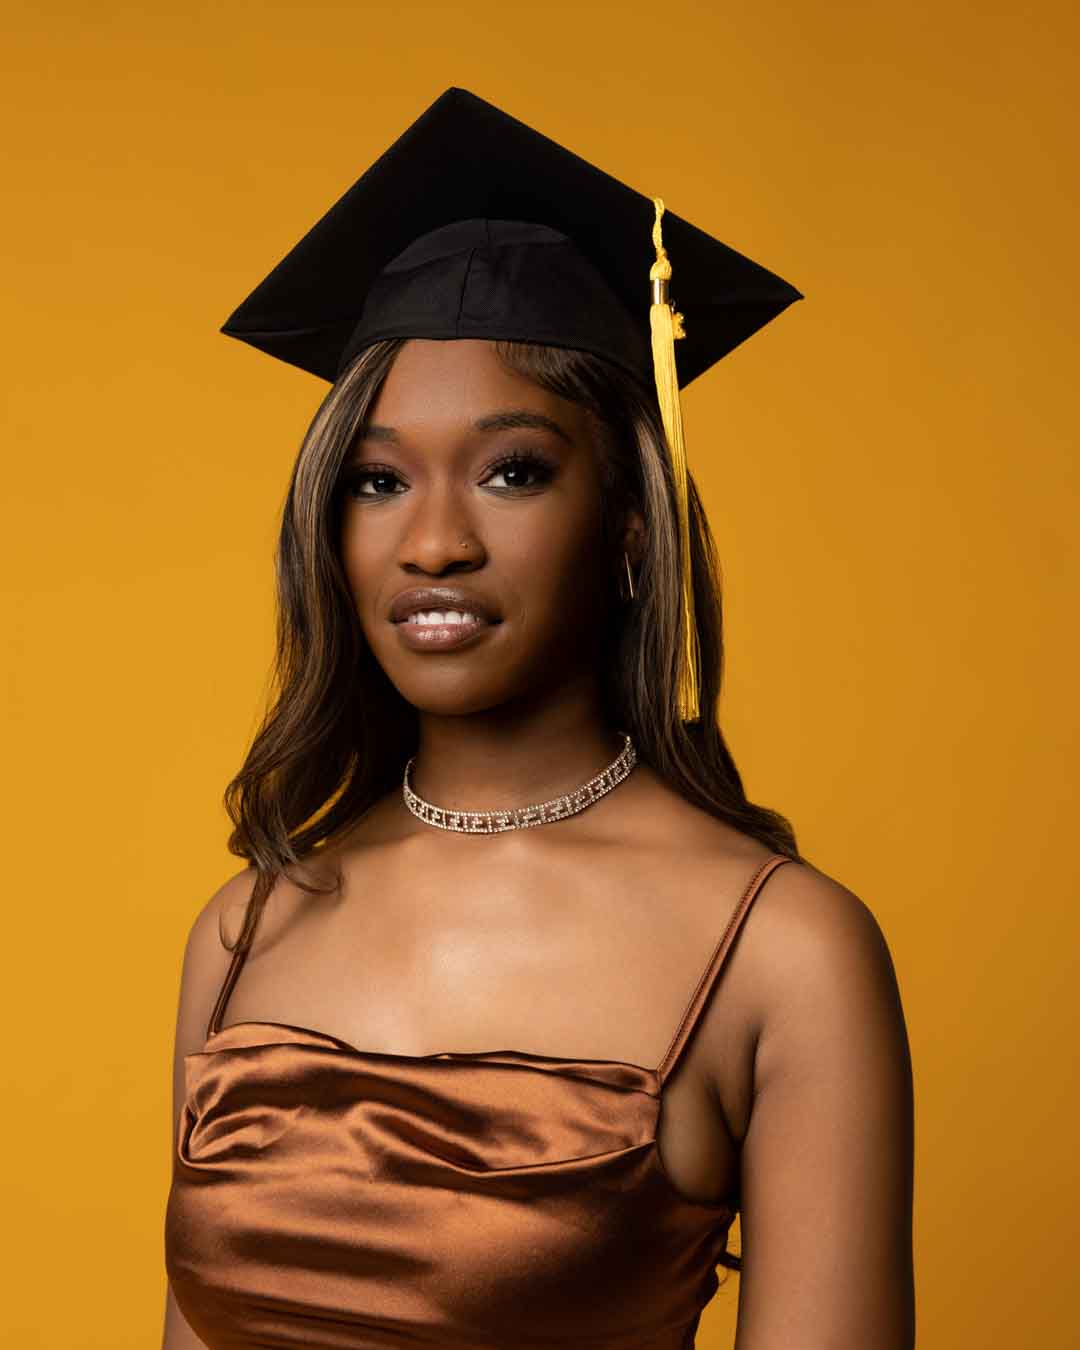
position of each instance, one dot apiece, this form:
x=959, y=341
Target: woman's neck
x=489, y=762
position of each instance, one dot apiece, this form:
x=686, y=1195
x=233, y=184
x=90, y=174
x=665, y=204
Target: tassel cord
x=666, y=328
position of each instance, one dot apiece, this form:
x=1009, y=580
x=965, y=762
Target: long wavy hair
x=335, y=735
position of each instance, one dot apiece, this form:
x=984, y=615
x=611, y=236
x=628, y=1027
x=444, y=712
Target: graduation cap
x=473, y=225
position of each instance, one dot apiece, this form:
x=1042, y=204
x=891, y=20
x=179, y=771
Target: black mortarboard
x=366, y=269
x=473, y=225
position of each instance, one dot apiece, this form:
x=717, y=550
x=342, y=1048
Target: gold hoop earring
x=629, y=576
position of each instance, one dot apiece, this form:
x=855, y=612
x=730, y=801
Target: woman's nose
x=439, y=534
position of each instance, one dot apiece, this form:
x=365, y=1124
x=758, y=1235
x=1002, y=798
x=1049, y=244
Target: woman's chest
x=563, y=960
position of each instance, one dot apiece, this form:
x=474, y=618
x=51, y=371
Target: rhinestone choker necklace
x=523, y=817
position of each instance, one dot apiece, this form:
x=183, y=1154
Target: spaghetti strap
x=226, y=988
x=705, y=985
x=239, y=954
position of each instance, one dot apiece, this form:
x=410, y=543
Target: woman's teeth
x=442, y=616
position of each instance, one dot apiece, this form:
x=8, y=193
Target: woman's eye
x=356, y=479
x=515, y=470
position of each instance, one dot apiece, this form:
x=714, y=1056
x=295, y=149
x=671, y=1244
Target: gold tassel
x=666, y=327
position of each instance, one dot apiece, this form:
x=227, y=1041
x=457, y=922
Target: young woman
x=526, y=1000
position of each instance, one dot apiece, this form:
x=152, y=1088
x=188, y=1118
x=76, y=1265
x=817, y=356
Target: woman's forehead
x=464, y=381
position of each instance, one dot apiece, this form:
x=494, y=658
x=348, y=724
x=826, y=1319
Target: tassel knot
x=661, y=268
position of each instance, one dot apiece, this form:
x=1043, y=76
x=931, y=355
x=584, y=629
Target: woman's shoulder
x=812, y=922
x=802, y=894
x=809, y=975
x=216, y=925
x=803, y=924
x=814, y=953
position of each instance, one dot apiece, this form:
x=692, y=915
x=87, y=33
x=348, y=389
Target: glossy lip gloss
x=427, y=637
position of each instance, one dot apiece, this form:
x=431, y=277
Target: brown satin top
x=324, y=1196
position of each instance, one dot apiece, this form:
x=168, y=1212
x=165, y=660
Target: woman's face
x=471, y=478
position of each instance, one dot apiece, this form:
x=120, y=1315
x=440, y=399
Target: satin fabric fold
x=324, y=1196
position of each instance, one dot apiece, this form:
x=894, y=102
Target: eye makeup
x=540, y=468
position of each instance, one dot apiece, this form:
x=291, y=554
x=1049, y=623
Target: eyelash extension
x=542, y=467
x=543, y=470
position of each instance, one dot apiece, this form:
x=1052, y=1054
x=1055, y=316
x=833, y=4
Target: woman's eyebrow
x=509, y=419
x=512, y=418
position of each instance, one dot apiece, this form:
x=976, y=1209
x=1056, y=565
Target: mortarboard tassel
x=666, y=326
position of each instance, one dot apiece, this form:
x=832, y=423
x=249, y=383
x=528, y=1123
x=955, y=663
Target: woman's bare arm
x=205, y=962
x=827, y=1162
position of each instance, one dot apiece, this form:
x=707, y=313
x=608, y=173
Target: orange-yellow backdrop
x=888, y=469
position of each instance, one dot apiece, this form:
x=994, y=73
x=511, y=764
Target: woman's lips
x=426, y=637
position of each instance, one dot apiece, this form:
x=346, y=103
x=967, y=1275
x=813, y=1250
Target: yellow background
x=889, y=469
